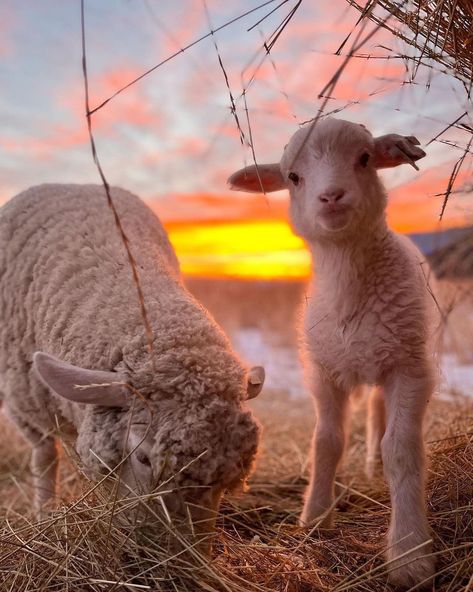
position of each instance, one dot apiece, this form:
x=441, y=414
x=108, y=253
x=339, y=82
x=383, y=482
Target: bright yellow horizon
x=264, y=249
x=252, y=249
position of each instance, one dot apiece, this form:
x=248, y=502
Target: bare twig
x=121, y=230
x=175, y=54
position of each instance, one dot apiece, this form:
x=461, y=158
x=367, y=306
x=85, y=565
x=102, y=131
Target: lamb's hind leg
x=44, y=464
x=375, y=428
x=409, y=545
x=327, y=450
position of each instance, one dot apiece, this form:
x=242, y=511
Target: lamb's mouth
x=335, y=218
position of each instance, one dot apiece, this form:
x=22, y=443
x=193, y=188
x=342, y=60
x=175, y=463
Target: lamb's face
x=330, y=171
x=332, y=180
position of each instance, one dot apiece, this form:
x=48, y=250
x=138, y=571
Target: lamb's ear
x=263, y=178
x=255, y=381
x=392, y=150
x=80, y=385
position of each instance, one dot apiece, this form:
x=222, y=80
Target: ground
x=259, y=546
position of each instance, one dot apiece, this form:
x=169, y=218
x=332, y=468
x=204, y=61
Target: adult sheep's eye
x=294, y=178
x=364, y=159
x=143, y=459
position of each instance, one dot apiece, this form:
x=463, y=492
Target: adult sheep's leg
x=44, y=463
x=43, y=459
x=406, y=397
x=327, y=450
x=375, y=428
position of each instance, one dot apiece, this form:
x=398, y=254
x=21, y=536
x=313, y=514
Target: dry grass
x=442, y=30
x=258, y=545
x=454, y=260
x=455, y=299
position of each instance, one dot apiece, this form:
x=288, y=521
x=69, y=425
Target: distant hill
x=455, y=259
x=450, y=252
x=430, y=242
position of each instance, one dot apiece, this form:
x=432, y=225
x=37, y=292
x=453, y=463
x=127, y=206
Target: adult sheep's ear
x=263, y=178
x=79, y=385
x=392, y=150
x=255, y=381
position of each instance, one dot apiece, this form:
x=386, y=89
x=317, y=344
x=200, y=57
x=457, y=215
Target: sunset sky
x=171, y=137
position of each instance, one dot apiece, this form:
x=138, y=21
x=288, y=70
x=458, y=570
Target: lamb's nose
x=332, y=195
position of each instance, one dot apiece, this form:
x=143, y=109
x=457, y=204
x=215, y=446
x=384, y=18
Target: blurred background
x=229, y=83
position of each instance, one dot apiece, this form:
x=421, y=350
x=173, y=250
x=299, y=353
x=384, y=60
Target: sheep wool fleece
x=66, y=288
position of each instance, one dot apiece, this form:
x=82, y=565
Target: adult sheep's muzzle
x=182, y=524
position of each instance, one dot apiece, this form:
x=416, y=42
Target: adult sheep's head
x=330, y=169
x=181, y=455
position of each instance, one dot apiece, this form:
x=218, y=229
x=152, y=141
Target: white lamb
x=67, y=293
x=367, y=320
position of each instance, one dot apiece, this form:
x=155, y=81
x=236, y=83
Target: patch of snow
x=281, y=362
x=284, y=368
x=455, y=377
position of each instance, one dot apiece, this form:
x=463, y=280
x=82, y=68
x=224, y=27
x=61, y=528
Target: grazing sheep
x=70, y=315
x=367, y=320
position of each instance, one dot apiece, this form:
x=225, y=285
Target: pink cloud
x=185, y=26
x=133, y=107
x=7, y=20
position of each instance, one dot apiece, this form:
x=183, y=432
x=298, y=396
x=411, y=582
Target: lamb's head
x=184, y=452
x=330, y=169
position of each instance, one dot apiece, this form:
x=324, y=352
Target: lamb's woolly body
x=367, y=320
x=367, y=312
x=66, y=289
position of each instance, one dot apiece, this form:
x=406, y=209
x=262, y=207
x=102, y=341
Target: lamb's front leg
x=406, y=396
x=44, y=469
x=327, y=449
x=375, y=428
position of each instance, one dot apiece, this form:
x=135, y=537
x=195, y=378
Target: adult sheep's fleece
x=66, y=290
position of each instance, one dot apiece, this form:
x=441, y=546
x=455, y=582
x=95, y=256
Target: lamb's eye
x=294, y=178
x=143, y=459
x=364, y=159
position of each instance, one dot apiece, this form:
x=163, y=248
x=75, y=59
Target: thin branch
x=175, y=54
x=233, y=109
x=124, y=237
x=453, y=177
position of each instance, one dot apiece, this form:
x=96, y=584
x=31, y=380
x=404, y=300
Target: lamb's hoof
x=316, y=520
x=43, y=511
x=407, y=572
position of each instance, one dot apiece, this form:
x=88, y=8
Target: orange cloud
x=416, y=206
x=230, y=207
